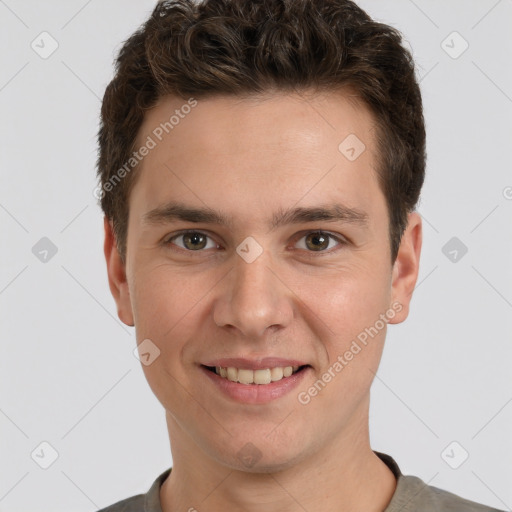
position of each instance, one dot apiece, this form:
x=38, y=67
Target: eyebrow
x=174, y=211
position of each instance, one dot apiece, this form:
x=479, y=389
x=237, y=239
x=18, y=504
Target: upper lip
x=253, y=364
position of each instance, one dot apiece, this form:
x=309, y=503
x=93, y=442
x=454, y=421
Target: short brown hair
x=240, y=47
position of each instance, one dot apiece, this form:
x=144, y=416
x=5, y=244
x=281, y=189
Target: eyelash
x=341, y=241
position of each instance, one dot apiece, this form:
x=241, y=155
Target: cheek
x=347, y=300
x=171, y=311
x=350, y=304
x=164, y=300
x=166, y=314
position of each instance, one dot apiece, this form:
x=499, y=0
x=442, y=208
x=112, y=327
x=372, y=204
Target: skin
x=247, y=158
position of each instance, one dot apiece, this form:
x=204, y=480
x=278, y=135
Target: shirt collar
x=152, y=497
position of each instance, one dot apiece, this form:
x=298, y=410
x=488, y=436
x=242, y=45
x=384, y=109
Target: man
x=260, y=164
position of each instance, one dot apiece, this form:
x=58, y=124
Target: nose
x=253, y=299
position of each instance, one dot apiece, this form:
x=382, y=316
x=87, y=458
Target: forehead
x=224, y=122
x=261, y=149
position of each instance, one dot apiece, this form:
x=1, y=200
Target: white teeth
x=261, y=376
x=276, y=374
x=264, y=376
x=245, y=376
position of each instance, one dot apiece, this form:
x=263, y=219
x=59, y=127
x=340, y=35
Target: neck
x=345, y=475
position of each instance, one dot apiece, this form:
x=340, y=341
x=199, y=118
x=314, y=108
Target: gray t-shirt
x=411, y=495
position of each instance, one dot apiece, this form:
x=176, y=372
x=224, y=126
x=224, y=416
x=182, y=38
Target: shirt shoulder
x=414, y=495
x=148, y=502
x=132, y=504
x=451, y=502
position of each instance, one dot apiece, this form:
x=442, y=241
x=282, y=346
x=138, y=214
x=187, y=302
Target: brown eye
x=194, y=241
x=191, y=241
x=319, y=241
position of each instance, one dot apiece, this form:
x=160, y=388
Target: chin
x=260, y=455
x=266, y=464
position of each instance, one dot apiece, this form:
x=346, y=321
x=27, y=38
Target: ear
x=406, y=267
x=117, y=276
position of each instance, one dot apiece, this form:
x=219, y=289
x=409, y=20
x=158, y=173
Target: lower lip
x=256, y=393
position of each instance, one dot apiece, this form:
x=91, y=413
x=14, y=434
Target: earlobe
x=406, y=266
x=116, y=271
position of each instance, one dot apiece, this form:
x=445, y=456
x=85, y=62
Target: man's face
x=266, y=289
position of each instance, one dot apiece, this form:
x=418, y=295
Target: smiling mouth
x=261, y=377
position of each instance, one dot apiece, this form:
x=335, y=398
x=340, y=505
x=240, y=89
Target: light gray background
x=67, y=372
